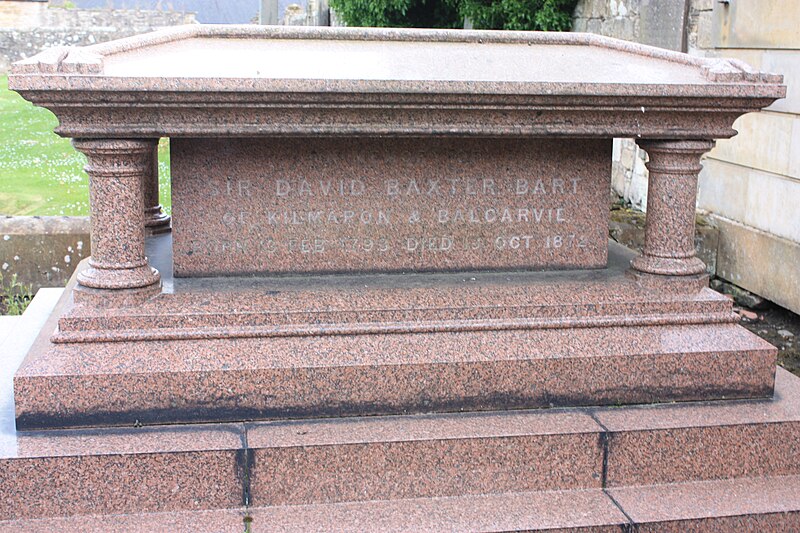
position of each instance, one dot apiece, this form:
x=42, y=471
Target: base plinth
x=156, y=221
x=668, y=266
x=706, y=466
x=118, y=278
x=212, y=350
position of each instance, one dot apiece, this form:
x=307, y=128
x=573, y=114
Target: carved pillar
x=671, y=198
x=155, y=220
x=116, y=171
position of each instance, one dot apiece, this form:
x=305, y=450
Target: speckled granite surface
x=249, y=206
x=337, y=473
x=496, y=83
x=583, y=511
x=284, y=306
x=586, y=467
x=134, y=345
x=206, y=350
x=206, y=82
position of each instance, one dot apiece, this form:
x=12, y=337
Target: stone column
x=671, y=199
x=155, y=220
x=116, y=171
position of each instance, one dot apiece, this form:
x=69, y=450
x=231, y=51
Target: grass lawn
x=40, y=172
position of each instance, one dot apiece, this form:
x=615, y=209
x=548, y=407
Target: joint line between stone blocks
x=245, y=459
x=605, y=437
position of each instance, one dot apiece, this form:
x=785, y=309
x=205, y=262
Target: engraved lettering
x=453, y=186
x=504, y=215
x=348, y=216
x=308, y=189
x=441, y=210
x=282, y=188
x=522, y=186
x=429, y=244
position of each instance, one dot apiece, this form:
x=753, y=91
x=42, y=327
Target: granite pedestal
x=410, y=225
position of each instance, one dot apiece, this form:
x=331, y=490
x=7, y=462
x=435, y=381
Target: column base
x=668, y=266
x=119, y=278
x=156, y=221
x=672, y=284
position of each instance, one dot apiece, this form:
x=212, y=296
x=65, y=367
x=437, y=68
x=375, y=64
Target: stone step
x=207, y=308
x=745, y=504
x=17, y=333
x=327, y=461
x=472, y=453
x=215, y=380
x=178, y=468
x=101, y=361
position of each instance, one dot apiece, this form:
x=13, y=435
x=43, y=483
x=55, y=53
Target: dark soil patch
x=781, y=328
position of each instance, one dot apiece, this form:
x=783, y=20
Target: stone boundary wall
x=27, y=30
x=42, y=251
x=613, y=18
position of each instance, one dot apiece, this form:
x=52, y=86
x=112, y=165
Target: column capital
x=677, y=157
x=677, y=146
x=115, y=156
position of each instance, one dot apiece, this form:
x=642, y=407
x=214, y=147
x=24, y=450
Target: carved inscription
x=249, y=206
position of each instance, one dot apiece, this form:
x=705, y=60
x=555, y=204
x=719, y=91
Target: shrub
x=14, y=296
x=548, y=15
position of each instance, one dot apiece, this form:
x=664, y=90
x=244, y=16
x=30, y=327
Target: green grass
x=40, y=172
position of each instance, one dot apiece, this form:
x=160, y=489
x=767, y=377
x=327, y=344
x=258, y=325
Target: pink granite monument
x=411, y=224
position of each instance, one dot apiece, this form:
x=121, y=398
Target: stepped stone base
x=208, y=350
x=699, y=466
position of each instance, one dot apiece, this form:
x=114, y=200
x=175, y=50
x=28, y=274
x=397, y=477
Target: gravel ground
x=779, y=327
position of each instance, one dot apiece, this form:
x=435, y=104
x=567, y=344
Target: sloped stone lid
x=293, y=58
x=262, y=80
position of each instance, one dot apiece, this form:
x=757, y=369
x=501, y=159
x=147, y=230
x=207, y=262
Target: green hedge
x=547, y=15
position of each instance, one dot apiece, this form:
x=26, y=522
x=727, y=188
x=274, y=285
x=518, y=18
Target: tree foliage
x=547, y=15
